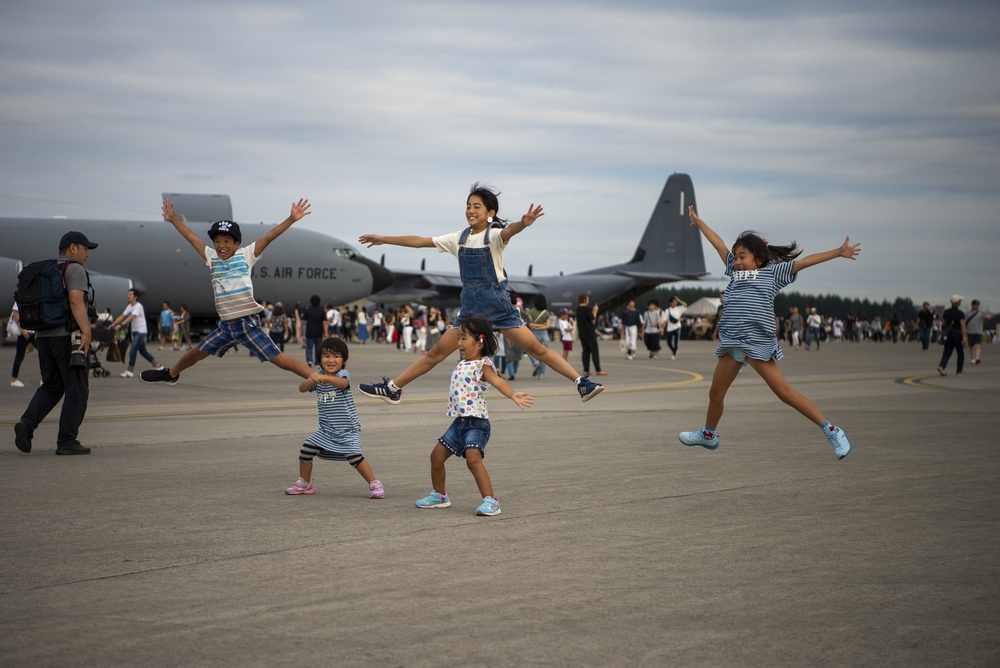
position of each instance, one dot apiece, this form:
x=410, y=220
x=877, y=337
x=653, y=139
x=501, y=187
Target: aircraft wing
x=441, y=289
x=658, y=277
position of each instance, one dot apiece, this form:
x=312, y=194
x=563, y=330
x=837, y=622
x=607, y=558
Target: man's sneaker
x=375, y=490
x=16, y=383
x=161, y=375
x=942, y=371
x=705, y=439
x=489, y=506
x=838, y=439
x=434, y=500
x=588, y=389
x=74, y=448
x=301, y=487
x=126, y=374
x=381, y=391
x=22, y=437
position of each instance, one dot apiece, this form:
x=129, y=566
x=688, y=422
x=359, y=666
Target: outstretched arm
x=410, y=241
x=527, y=220
x=186, y=232
x=717, y=243
x=846, y=250
x=522, y=399
x=299, y=211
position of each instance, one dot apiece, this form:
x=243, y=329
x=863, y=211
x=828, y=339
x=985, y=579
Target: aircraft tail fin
x=670, y=245
x=200, y=208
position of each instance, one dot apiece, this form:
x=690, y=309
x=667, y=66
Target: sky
x=807, y=121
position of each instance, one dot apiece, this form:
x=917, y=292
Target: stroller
x=102, y=338
x=94, y=362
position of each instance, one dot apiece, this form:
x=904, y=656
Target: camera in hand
x=77, y=358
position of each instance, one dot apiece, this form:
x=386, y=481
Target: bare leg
x=306, y=470
x=726, y=371
x=289, y=363
x=523, y=337
x=775, y=380
x=441, y=350
x=439, y=455
x=366, y=471
x=187, y=360
x=474, y=459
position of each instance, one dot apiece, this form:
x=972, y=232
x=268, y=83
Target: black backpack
x=42, y=298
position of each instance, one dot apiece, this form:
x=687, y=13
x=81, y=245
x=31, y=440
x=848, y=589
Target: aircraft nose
x=381, y=277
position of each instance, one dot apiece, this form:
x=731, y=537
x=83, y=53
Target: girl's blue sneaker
x=699, y=438
x=489, y=506
x=434, y=500
x=838, y=439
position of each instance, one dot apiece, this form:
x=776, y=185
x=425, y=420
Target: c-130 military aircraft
x=153, y=258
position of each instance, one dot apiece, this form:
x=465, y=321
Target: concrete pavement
x=172, y=544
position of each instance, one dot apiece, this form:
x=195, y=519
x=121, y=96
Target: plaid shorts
x=246, y=331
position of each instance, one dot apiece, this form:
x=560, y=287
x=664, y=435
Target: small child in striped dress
x=339, y=435
x=747, y=333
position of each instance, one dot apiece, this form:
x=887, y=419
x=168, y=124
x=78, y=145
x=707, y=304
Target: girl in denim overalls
x=479, y=249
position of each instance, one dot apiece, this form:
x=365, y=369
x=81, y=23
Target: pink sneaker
x=301, y=487
x=375, y=490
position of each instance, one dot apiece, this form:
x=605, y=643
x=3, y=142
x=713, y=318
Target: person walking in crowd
x=363, y=334
x=586, y=323
x=813, y=324
x=954, y=335
x=315, y=329
x=470, y=431
x=484, y=293
x=974, y=330
x=672, y=326
x=537, y=320
x=925, y=325
x=24, y=338
x=239, y=319
x=184, y=328
x=62, y=378
x=135, y=314
x=631, y=319
x=339, y=435
x=389, y=322
x=652, y=323
x=795, y=327
x=757, y=271
x=166, y=325
x=565, y=333
x=279, y=326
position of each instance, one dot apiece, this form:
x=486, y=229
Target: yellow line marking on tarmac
x=917, y=381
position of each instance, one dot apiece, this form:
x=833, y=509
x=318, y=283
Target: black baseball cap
x=71, y=238
x=225, y=227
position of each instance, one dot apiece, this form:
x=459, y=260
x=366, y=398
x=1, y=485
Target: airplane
x=158, y=262
x=669, y=251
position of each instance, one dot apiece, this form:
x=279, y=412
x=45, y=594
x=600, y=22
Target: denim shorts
x=465, y=433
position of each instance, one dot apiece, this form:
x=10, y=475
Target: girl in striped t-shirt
x=757, y=271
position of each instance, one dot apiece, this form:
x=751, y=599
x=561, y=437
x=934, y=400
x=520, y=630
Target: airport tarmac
x=173, y=544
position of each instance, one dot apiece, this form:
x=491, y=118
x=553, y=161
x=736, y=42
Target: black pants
x=588, y=345
x=673, y=336
x=59, y=381
x=953, y=343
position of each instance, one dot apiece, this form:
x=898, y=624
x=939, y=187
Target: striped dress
x=748, y=309
x=232, y=283
x=339, y=428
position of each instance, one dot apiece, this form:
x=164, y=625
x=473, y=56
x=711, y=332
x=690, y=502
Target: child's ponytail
x=765, y=253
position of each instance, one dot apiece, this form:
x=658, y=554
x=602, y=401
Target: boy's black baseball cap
x=225, y=227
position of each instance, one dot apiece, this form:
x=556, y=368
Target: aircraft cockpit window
x=344, y=252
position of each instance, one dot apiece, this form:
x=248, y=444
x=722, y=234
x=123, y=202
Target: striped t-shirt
x=339, y=428
x=748, y=309
x=232, y=283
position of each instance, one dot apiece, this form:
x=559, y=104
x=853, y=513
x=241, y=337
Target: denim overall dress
x=483, y=294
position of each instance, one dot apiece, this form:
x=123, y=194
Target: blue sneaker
x=434, y=500
x=588, y=389
x=699, y=438
x=381, y=391
x=838, y=439
x=490, y=507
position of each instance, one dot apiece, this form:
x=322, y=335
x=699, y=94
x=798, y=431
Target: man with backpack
x=64, y=371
